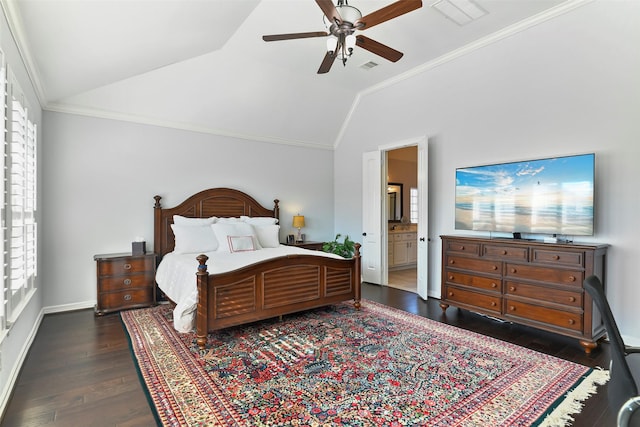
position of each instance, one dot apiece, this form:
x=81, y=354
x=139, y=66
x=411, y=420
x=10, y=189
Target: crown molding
x=509, y=31
x=132, y=118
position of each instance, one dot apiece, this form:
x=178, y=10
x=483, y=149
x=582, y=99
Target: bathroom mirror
x=394, y=201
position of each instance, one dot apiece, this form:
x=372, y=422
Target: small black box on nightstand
x=138, y=248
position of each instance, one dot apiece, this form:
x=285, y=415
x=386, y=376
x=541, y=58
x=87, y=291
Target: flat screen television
x=545, y=196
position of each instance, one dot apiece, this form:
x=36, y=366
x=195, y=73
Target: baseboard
x=69, y=307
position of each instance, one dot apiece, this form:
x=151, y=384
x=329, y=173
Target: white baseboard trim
x=69, y=307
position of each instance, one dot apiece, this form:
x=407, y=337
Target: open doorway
x=402, y=218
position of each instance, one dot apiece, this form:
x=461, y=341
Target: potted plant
x=345, y=249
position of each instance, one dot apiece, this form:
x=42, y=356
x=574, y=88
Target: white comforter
x=176, y=276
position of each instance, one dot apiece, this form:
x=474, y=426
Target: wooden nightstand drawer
x=109, y=284
x=476, y=299
x=112, y=301
x=125, y=265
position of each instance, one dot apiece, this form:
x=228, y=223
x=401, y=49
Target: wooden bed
x=263, y=290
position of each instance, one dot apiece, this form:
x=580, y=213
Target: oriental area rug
x=338, y=366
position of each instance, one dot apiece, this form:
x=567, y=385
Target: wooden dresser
x=125, y=281
x=528, y=282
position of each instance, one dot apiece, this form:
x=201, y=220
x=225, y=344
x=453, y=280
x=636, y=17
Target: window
x=413, y=205
x=19, y=226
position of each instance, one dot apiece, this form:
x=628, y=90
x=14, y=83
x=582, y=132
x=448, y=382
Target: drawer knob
x=127, y=297
x=556, y=257
x=571, y=321
x=462, y=248
x=512, y=288
x=572, y=299
x=451, y=261
x=494, y=285
x=493, y=303
x=494, y=267
x=513, y=270
x=572, y=278
x=127, y=282
x=512, y=308
x=450, y=277
x=127, y=266
x=504, y=252
x=450, y=293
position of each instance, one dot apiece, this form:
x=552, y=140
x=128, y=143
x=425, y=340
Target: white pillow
x=228, y=220
x=234, y=229
x=241, y=243
x=259, y=220
x=183, y=220
x=194, y=239
x=268, y=235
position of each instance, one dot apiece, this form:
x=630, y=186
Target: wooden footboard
x=273, y=288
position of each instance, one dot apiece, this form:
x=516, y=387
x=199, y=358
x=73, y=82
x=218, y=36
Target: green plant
x=346, y=249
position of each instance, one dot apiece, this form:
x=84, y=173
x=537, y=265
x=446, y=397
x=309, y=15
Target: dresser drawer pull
x=494, y=267
x=512, y=288
x=461, y=248
x=493, y=304
x=572, y=278
x=504, y=252
x=513, y=270
x=450, y=293
x=127, y=282
x=494, y=285
x=452, y=261
x=512, y=308
x=572, y=299
x=127, y=266
x=556, y=257
x=450, y=277
x=127, y=297
x=571, y=321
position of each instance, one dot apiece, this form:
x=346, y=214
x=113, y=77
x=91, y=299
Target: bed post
x=203, y=301
x=276, y=209
x=157, y=228
x=358, y=277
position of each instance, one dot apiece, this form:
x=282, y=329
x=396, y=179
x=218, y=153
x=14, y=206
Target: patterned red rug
x=341, y=367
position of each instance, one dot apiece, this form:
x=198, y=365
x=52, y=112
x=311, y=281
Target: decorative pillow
x=241, y=243
x=183, y=220
x=259, y=220
x=268, y=235
x=223, y=230
x=194, y=239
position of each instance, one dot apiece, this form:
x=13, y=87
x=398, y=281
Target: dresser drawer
x=549, y=316
x=475, y=299
x=542, y=293
x=116, y=283
x=125, y=299
x=558, y=257
x=488, y=283
x=505, y=252
x=473, y=264
x=462, y=247
x=545, y=274
x=110, y=267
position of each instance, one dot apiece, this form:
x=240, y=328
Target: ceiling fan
x=342, y=21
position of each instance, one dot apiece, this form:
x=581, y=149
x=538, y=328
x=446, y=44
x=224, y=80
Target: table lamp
x=298, y=222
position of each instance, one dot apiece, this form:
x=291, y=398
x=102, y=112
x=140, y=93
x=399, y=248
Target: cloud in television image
x=545, y=196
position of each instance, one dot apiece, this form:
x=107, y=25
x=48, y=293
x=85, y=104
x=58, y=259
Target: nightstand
x=316, y=246
x=125, y=281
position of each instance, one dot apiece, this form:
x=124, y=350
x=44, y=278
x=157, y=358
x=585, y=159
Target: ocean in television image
x=545, y=196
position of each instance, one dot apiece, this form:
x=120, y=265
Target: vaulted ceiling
x=202, y=64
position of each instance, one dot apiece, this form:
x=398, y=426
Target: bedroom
x=567, y=85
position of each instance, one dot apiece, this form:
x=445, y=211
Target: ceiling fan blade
x=389, y=12
x=327, y=62
x=277, y=37
x=329, y=10
x=378, y=48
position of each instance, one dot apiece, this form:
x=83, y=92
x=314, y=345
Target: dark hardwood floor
x=79, y=371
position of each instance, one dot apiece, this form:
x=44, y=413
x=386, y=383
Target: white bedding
x=176, y=276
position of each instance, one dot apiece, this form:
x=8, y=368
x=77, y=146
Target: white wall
x=100, y=177
x=569, y=85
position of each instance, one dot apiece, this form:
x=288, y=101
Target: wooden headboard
x=220, y=202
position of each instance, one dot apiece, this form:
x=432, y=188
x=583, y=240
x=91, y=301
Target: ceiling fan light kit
x=342, y=21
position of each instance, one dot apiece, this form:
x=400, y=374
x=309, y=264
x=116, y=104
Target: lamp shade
x=298, y=221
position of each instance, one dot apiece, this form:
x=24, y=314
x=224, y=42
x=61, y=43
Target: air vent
x=459, y=11
x=369, y=65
